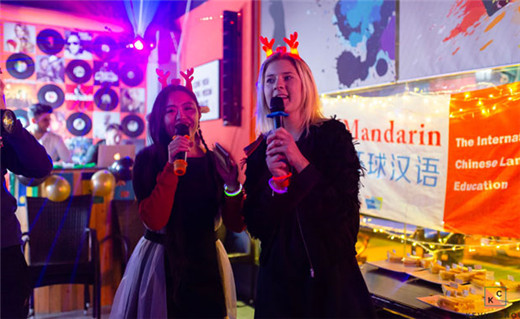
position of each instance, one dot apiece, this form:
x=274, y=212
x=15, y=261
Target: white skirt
x=142, y=291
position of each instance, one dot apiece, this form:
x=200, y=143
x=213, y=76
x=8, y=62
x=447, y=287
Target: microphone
x=277, y=108
x=277, y=111
x=180, y=163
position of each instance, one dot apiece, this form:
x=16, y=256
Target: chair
x=127, y=229
x=62, y=249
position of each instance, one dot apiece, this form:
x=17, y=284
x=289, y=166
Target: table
x=397, y=293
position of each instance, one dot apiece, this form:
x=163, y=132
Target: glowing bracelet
x=275, y=189
x=281, y=178
x=282, y=181
x=232, y=194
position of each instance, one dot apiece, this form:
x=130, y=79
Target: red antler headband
x=163, y=78
x=267, y=46
x=188, y=79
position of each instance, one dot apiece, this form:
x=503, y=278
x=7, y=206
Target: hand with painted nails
x=282, y=153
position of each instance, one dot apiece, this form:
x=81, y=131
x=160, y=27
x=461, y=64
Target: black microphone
x=179, y=162
x=277, y=111
x=277, y=108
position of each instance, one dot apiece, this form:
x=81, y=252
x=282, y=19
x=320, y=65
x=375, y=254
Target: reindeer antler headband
x=267, y=46
x=188, y=79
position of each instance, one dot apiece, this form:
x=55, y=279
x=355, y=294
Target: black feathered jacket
x=311, y=229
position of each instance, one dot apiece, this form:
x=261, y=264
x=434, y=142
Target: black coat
x=22, y=155
x=308, y=235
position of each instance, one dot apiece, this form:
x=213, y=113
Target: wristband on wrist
x=282, y=181
x=273, y=184
x=234, y=193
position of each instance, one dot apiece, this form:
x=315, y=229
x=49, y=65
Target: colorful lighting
x=139, y=44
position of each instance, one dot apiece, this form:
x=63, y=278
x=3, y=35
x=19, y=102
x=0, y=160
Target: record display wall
x=80, y=74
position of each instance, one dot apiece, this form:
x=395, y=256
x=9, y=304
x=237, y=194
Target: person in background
x=302, y=186
x=21, y=154
x=113, y=136
x=179, y=269
x=39, y=123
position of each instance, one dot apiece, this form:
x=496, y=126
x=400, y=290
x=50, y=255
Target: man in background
x=113, y=136
x=21, y=154
x=39, y=123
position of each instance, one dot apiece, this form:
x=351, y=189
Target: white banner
x=403, y=146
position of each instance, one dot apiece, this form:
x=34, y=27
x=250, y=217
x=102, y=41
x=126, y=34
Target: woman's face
x=18, y=30
x=113, y=137
x=181, y=109
x=44, y=63
x=281, y=79
x=73, y=44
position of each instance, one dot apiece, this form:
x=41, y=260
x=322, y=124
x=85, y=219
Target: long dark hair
x=156, y=118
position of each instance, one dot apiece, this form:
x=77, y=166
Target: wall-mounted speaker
x=232, y=69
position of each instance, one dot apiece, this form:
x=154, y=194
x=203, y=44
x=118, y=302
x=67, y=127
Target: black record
x=20, y=66
x=79, y=71
x=79, y=124
x=133, y=125
x=131, y=74
x=21, y=114
x=106, y=98
x=104, y=47
x=50, y=41
x=52, y=95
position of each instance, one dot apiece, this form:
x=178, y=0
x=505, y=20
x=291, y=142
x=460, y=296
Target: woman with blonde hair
x=21, y=41
x=302, y=186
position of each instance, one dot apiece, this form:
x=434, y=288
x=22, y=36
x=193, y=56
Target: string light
x=442, y=245
x=484, y=102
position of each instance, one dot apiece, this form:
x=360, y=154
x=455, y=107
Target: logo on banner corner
x=374, y=202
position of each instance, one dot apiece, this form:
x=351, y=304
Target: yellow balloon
x=57, y=188
x=103, y=183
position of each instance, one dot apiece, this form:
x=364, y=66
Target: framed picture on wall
x=206, y=86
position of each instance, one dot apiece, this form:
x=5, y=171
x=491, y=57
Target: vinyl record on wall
x=20, y=66
x=50, y=41
x=52, y=95
x=21, y=115
x=104, y=47
x=131, y=74
x=106, y=99
x=79, y=71
x=79, y=124
x=133, y=125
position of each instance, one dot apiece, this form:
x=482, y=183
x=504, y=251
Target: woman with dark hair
x=302, y=185
x=175, y=270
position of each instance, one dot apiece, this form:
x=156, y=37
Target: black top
x=23, y=155
x=312, y=226
x=194, y=287
x=92, y=152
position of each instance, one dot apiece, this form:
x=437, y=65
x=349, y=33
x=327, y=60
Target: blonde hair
x=311, y=105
